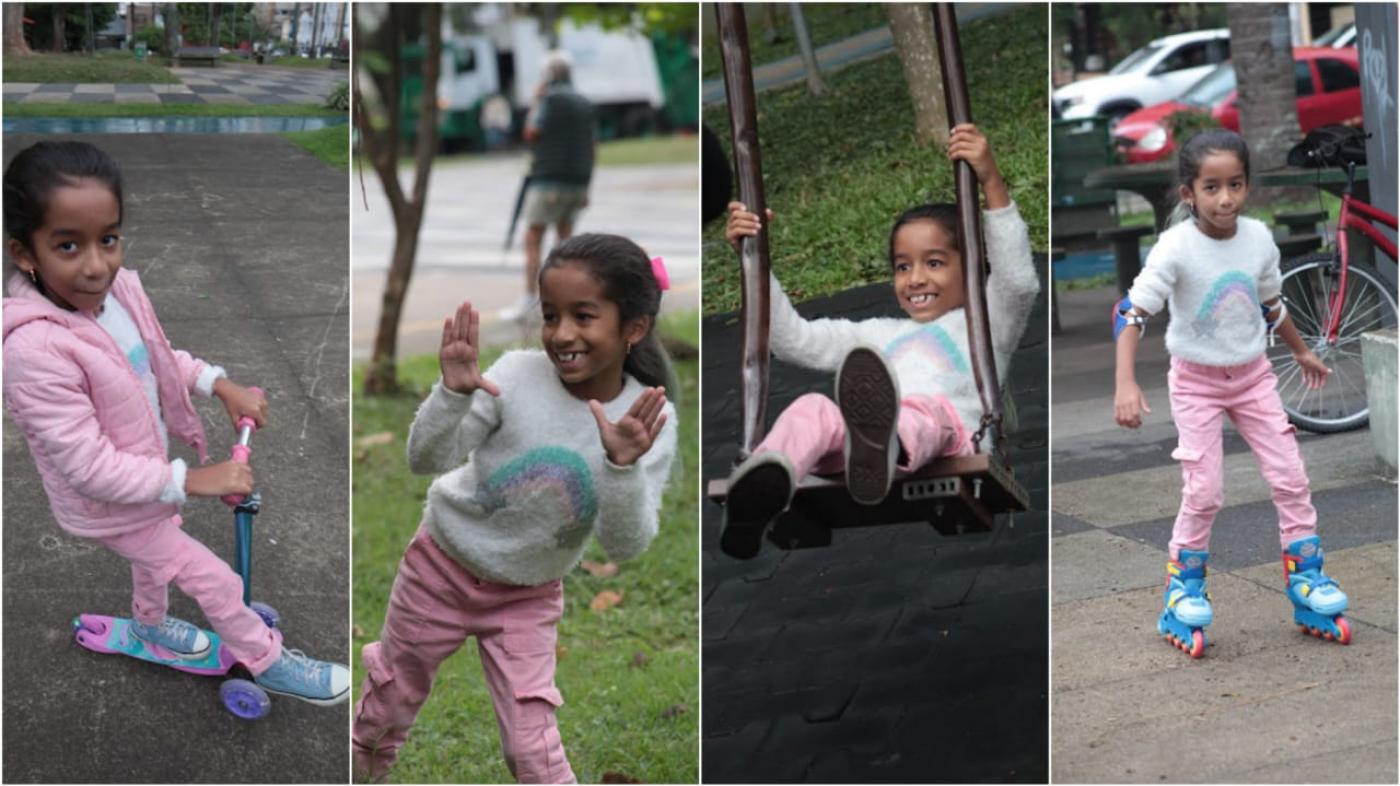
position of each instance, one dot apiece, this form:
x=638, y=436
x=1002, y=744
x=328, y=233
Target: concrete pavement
x=229, y=83
x=240, y=241
x=464, y=228
x=1266, y=703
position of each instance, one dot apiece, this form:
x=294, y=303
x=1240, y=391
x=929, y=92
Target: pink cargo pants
x=811, y=433
x=1200, y=398
x=434, y=606
x=164, y=553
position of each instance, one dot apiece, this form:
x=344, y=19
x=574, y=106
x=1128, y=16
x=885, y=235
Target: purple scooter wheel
x=269, y=615
x=245, y=699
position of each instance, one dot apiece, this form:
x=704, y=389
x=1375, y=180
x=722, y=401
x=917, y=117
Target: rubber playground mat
x=893, y=654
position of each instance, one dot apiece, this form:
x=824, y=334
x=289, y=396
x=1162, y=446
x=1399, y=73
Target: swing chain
x=998, y=435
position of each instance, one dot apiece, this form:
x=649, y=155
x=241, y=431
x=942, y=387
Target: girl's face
x=928, y=279
x=77, y=251
x=1218, y=194
x=583, y=333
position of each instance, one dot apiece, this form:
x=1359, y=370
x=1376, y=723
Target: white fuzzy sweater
x=1214, y=288
x=929, y=358
x=536, y=482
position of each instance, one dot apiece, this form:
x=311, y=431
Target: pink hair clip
x=658, y=269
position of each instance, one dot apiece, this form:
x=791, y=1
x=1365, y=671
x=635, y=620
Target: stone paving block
x=1096, y=563
x=20, y=87
x=1367, y=762
x=180, y=98
x=56, y=87
x=95, y=88
x=38, y=97
x=164, y=89
x=223, y=98
x=92, y=98
x=133, y=88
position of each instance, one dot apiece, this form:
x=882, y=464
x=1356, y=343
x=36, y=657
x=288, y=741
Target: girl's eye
x=902, y=267
x=935, y=262
x=111, y=240
x=584, y=317
x=68, y=246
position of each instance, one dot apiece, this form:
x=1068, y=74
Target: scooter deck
x=112, y=635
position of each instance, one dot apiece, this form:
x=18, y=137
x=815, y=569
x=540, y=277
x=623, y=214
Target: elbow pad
x=1124, y=317
x=1273, y=315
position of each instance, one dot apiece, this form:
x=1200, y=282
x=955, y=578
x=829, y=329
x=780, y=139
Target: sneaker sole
x=331, y=702
x=754, y=500
x=201, y=655
x=866, y=395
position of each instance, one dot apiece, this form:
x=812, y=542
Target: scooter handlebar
x=243, y=450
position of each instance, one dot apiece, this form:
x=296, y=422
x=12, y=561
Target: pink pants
x=164, y=553
x=811, y=433
x=434, y=606
x=1200, y=397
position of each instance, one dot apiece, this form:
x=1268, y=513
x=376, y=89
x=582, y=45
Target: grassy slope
x=331, y=145
x=639, y=720
x=104, y=67
x=837, y=170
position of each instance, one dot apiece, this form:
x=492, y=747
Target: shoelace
x=303, y=667
x=171, y=628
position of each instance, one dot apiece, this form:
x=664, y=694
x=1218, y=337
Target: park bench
x=197, y=56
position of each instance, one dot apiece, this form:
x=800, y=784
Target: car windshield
x=1211, y=88
x=1136, y=59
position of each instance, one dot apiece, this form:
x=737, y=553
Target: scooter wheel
x=269, y=615
x=245, y=699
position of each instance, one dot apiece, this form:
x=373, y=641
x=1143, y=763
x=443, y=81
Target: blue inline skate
x=1187, y=609
x=1318, y=602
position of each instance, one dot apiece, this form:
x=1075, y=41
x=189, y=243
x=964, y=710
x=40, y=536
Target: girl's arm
x=818, y=344
x=629, y=497
x=464, y=406
x=1128, y=401
x=45, y=396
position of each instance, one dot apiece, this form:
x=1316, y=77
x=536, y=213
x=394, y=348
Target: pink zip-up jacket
x=90, y=428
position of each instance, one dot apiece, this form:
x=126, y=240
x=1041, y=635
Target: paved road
x=240, y=241
x=1266, y=704
x=459, y=249
x=229, y=83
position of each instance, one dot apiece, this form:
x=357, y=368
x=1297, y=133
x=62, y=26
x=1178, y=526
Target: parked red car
x=1329, y=91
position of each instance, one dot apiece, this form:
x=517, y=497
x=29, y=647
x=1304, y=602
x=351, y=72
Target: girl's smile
x=928, y=280
x=77, y=251
x=582, y=333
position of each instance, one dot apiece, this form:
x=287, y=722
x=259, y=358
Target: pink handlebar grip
x=242, y=451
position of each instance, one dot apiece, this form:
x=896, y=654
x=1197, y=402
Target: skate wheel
x=245, y=699
x=1198, y=644
x=1345, y=627
x=269, y=615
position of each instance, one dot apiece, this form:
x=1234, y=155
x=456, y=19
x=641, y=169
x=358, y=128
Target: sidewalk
x=228, y=83
x=1266, y=703
x=893, y=654
x=241, y=243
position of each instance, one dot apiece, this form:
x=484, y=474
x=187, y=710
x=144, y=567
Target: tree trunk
x=296, y=28
x=90, y=35
x=59, y=24
x=815, y=85
x=912, y=26
x=14, y=30
x=382, y=147
x=216, y=24
x=1263, y=57
x=339, y=25
x=172, y=29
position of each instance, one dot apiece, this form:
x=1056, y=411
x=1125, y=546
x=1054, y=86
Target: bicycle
x=1332, y=303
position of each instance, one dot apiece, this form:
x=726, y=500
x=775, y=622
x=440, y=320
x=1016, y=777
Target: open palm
x=460, y=351
x=632, y=435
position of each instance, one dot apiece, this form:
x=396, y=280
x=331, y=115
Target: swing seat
x=958, y=494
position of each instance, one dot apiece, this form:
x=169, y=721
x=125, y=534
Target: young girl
x=546, y=449
x=95, y=387
x=1219, y=271
x=904, y=387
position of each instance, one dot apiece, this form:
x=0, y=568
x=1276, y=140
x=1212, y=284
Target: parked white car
x=1158, y=72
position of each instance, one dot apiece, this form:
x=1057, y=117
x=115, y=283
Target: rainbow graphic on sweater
x=931, y=347
x=557, y=477
x=1231, y=287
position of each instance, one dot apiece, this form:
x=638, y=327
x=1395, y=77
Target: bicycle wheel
x=1308, y=284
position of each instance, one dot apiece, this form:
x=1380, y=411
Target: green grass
x=288, y=61
x=101, y=68
x=826, y=23
x=331, y=145
x=167, y=110
x=838, y=170
x=614, y=719
x=674, y=149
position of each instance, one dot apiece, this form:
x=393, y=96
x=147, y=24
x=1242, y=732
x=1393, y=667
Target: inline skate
x=1318, y=602
x=1187, y=610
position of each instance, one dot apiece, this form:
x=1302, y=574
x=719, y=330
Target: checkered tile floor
x=225, y=84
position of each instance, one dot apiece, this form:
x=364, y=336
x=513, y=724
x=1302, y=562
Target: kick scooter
x=112, y=635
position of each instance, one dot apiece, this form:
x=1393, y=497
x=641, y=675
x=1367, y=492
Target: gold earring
x=33, y=277
x=629, y=347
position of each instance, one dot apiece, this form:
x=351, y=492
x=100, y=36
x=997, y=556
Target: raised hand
x=460, y=350
x=967, y=143
x=633, y=434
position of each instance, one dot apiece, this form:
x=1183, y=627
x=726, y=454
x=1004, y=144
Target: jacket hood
x=26, y=303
